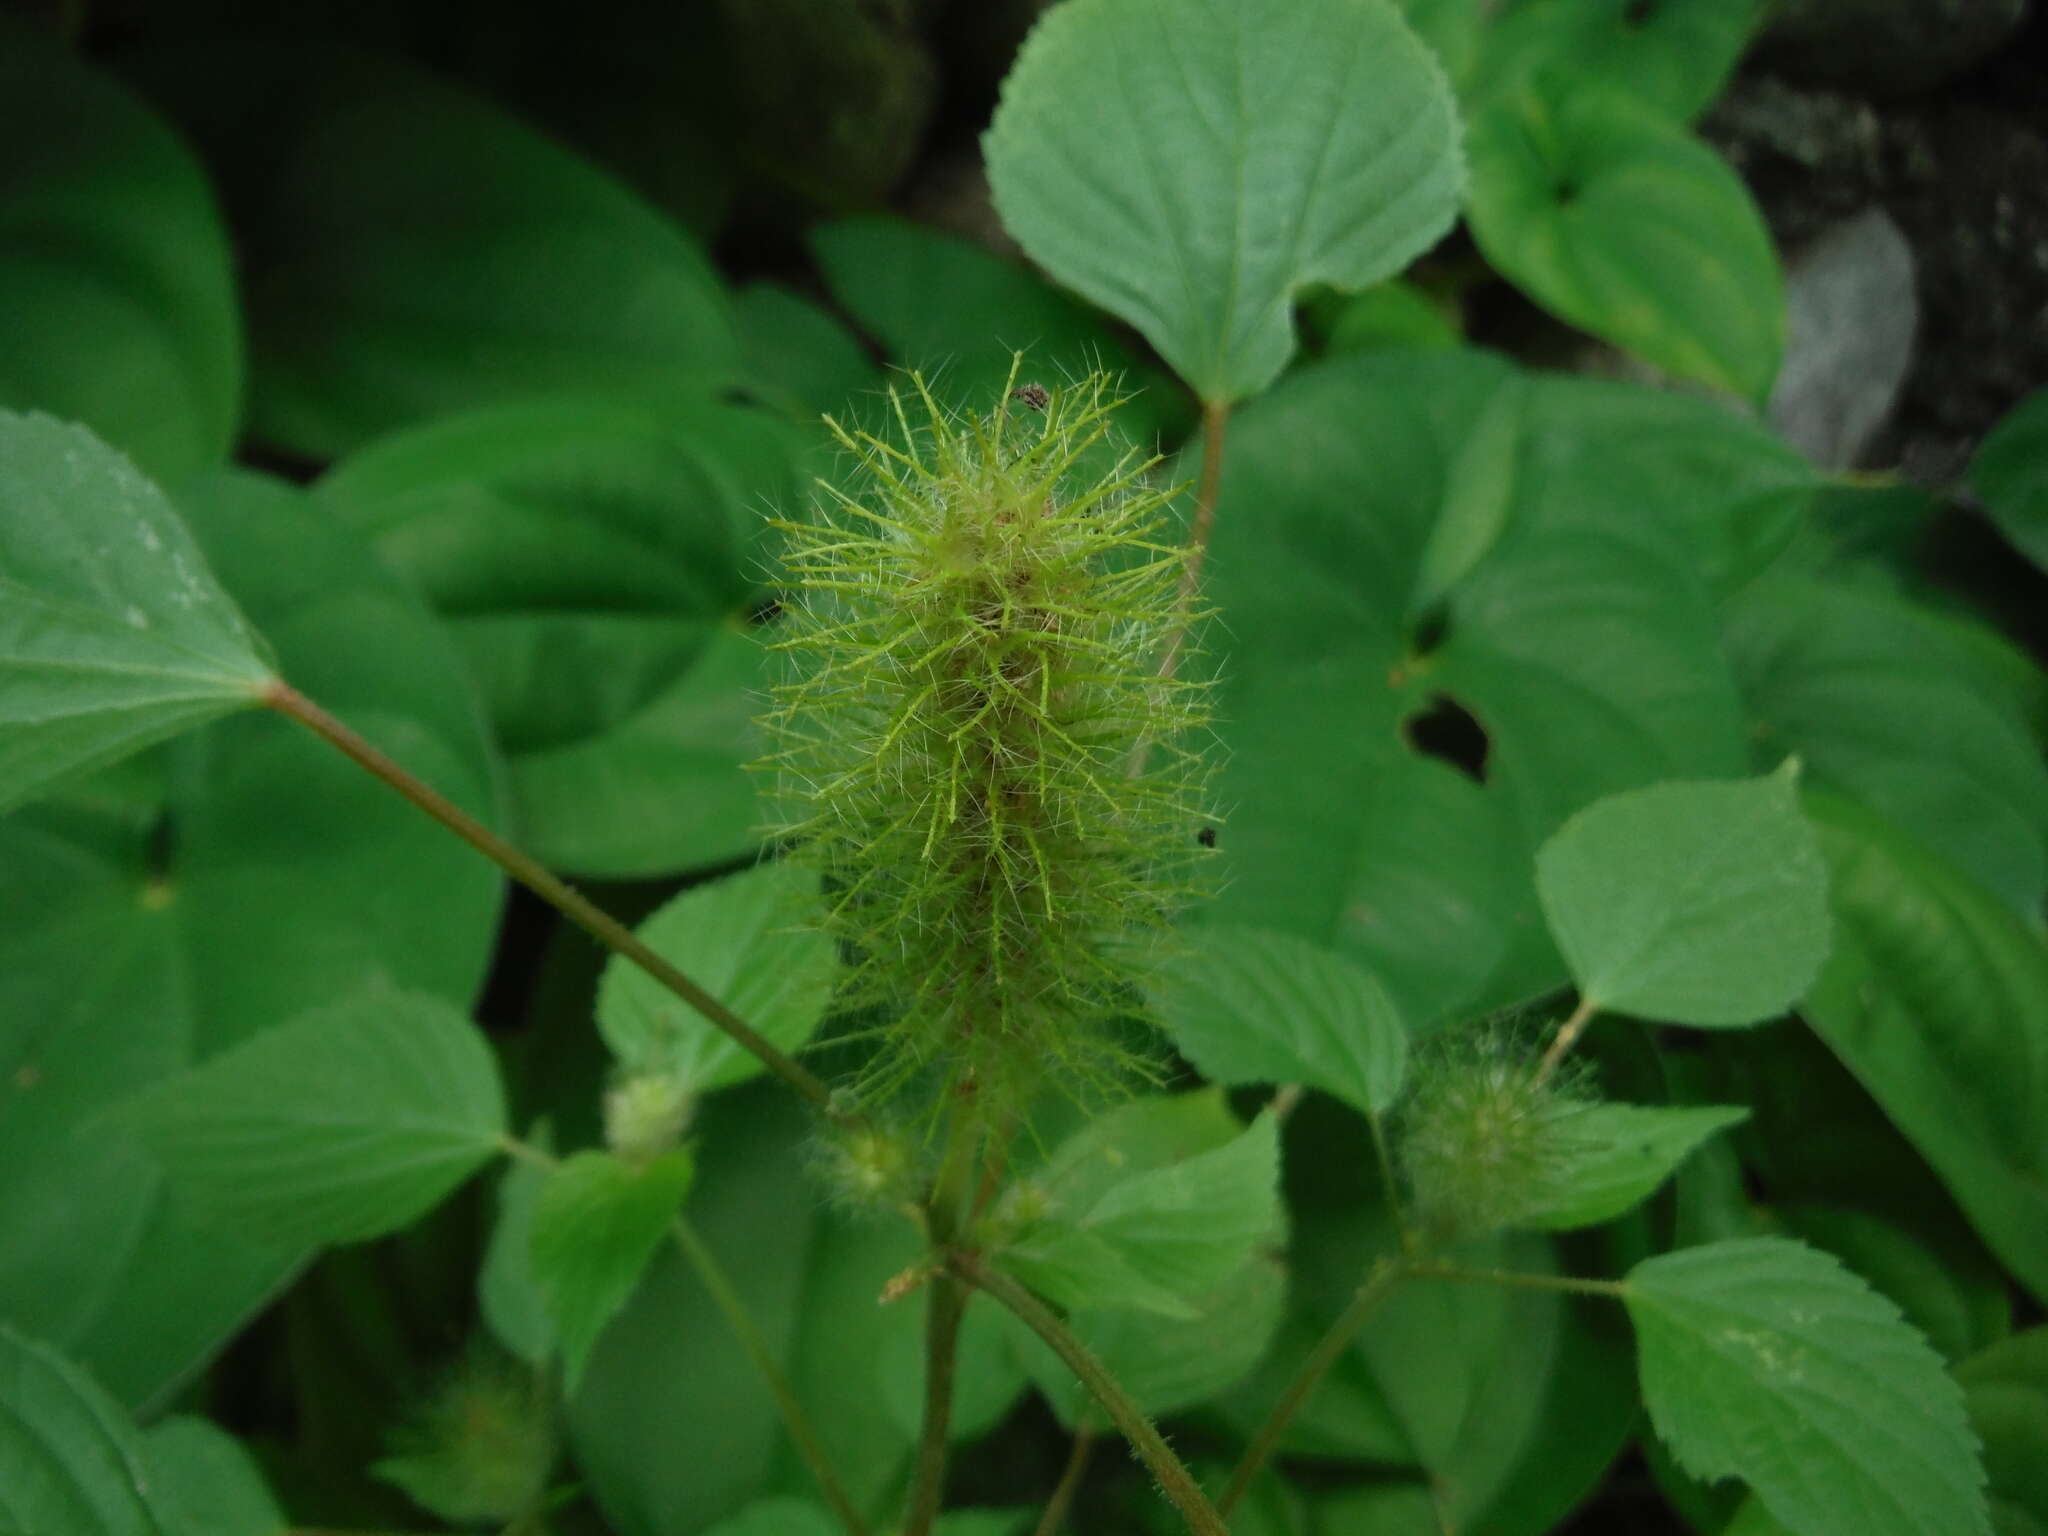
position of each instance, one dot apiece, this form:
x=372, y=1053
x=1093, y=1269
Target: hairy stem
x=1146, y=1442
x=794, y=1419
x=557, y=893
x=1069, y=1484
x=1380, y=1283
x=944, y=1310
x=1613, y=1290
x=1567, y=1035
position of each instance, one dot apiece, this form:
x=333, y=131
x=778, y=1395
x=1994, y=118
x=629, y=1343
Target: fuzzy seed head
x=975, y=634
x=1482, y=1142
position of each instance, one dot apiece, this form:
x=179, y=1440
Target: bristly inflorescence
x=977, y=741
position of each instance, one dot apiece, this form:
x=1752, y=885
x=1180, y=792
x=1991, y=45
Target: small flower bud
x=645, y=1116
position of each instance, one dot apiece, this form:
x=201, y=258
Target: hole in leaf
x=1448, y=732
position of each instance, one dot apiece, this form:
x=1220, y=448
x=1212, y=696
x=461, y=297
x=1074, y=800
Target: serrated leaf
x=1936, y=998
x=745, y=940
x=1162, y=1239
x=1617, y=220
x=251, y=874
x=113, y=632
x=1614, y=1156
x=1188, y=165
x=596, y=1223
x=70, y=1461
x=1764, y=1359
x=120, y=294
x=2011, y=473
x=345, y=1123
x=1248, y=1006
x=1700, y=904
x=206, y=1483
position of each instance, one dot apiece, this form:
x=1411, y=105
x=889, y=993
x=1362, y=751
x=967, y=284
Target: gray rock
x=1885, y=48
x=1852, y=315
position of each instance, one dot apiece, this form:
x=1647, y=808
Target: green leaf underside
x=120, y=307
x=1161, y=1239
x=1936, y=999
x=113, y=632
x=346, y=1123
x=1622, y=223
x=70, y=1462
x=596, y=1223
x=1617, y=1155
x=1766, y=1360
x=1249, y=1006
x=1701, y=904
x=748, y=940
x=1188, y=165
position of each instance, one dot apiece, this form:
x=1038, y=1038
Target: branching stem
x=1613, y=1290
x=1150, y=1447
x=944, y=1310
x=557, y=893
x=1379, y=1284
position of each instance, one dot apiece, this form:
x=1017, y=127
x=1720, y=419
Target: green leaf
x=1959, y=1304
x=596, y=1223
x=597, y=564
x=113, y=632
x=512, y=1303
x=1166, y=1364
x=669, y=1371
x=1880, y=701
x=782, y=1516
x=1622, y=223
x=747, y=940
x=255, y=874
x=960, y=313
x=1936, y=998
x=120, y=307
x=1616, y=1156
x=2005, y=1389
x=1673, y=56
x=797, y=353
x=1583, y=644
x=346, y=1123
x=1189, y=166
x=1700, y=904
x=1248, y=1006
x=70, y=1460
x=1162, y=1239
x=1766, y=1360
x=413, y=250
x=2011, y=473
x=206, y=1483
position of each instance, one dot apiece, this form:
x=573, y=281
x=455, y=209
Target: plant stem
x=1173, y=1477
x=1215, y=418
x=944, y=1310
x=1567, y=1033
x=1069, y=1484
x=1614, y=1290
x=593, y=920
x=1379, y=1283
x=794, y=1419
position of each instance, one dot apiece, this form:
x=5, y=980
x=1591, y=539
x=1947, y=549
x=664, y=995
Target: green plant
x=1596, y=964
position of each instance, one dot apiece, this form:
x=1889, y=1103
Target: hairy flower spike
x=975, y=635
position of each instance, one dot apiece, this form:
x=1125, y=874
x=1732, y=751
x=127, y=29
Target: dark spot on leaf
x=1432, y=628
x=1448, y=732
x=1206, y=837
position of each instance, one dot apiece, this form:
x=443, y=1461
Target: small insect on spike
x=971, y=661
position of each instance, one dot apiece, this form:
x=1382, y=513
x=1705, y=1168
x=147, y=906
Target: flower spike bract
x=976, y=742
